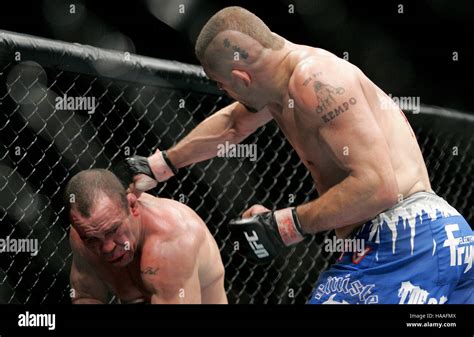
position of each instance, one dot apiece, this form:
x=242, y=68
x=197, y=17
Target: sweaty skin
x=347, y=137
x=161, y=253
x=363, y=156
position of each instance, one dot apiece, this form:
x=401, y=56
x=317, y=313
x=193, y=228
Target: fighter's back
x=175, y=226
x=314, y=64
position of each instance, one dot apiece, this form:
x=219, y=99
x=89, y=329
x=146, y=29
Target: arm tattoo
x=242, y=52
x=325, y=94
x=310, y=78
x=326, y=98
x=338, y=110
x=150, y=271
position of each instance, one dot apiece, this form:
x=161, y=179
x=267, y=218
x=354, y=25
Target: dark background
x=407, y=54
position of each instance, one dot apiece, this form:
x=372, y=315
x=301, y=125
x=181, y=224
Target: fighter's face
x=107, y=232
x=236, y=89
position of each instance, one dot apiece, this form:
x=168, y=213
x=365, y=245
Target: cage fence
x=141, y=104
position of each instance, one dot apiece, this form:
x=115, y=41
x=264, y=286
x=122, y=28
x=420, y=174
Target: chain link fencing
x=140, y=104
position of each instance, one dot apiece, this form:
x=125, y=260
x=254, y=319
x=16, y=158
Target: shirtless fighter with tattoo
x=145, y=250
x=364, y=158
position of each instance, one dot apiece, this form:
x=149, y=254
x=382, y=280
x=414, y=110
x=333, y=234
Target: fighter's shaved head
x=87, y=186
x=236, y=19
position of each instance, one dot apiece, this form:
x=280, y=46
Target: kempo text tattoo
x=339, y=110
x=242, y=52
x=150, y=271
x=326, y=97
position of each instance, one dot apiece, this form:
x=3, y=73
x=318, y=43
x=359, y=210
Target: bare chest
x=302, y=133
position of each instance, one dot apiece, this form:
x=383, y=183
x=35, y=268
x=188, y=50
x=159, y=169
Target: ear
x=242, y=76
x=132, y=203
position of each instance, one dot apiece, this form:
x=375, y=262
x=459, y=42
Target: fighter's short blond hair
x=238, y=19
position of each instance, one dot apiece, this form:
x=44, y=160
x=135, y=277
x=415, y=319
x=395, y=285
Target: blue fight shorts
x=418, y=252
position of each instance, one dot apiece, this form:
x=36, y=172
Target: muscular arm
x=170, y=271
x=232, y=123
x=86, y=286
x=347, y=128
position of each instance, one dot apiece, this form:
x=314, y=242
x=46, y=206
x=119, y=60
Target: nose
x=107, y=246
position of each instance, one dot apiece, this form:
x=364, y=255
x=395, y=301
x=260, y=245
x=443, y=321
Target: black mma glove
x=262, y=237
x=150, y=171
x=133, y=166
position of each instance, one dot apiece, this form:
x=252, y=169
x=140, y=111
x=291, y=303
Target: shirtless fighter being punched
x=364, y=159
x=146, y=250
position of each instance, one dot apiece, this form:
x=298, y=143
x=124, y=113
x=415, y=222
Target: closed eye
x=90, y=240
x=113, y=230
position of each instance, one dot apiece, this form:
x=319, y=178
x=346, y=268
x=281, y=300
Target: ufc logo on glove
x=258, y=248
